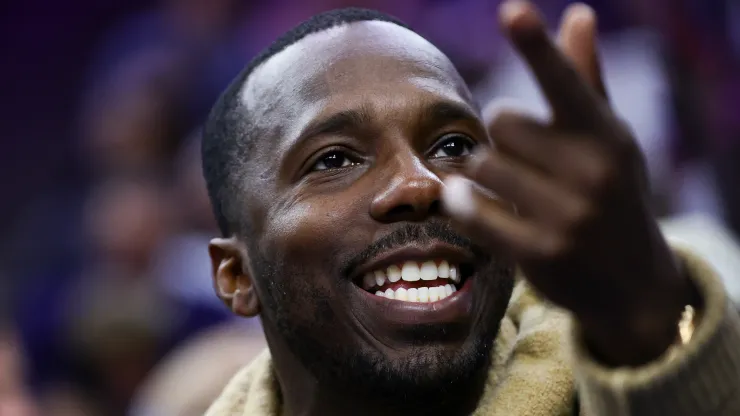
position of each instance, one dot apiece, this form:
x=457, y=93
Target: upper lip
x=413, y=252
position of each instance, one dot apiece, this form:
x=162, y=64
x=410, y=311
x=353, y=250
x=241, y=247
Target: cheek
x=303, y=232
x=304, y=248
x=306, y=245
x=323, y=230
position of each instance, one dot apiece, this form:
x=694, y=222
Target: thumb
x=577, y=40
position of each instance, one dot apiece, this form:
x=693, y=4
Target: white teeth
x=410, y=271
x=394, y=274
x=428, y=271
x=423, y=294
x=379, y=277
x=443, y=270
x=368, y=281
x=454, y=275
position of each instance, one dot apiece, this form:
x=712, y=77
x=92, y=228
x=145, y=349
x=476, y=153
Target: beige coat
x=539, y=366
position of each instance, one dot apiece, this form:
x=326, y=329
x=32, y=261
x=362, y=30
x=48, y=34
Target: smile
x=419, y=283
x=413, y=281
x=417, y=274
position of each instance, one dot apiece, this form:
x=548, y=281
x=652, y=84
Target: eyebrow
x=338, y=123
x=435, y=115
x=445, y=112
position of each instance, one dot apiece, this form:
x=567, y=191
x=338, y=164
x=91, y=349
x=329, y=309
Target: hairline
x=247, y=82
x=230, y=128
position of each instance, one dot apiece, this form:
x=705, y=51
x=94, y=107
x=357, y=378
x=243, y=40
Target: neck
x=302, y=394
x=327, y=400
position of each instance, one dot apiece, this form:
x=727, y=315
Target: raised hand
x=583, y=232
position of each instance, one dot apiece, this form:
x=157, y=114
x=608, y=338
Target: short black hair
x=229, y=132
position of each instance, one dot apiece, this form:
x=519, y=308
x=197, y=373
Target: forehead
x=362, y=63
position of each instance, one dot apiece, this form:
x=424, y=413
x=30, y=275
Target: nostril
x=400, y=210
x=408, y=210
x=434, y=208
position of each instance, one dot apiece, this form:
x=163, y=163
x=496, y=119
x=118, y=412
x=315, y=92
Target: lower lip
x=450, y=309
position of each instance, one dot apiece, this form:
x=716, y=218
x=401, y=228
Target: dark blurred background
x=107, y=307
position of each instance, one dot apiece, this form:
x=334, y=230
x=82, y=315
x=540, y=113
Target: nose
x=412, y=193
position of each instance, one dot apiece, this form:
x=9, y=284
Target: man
x=380, y=255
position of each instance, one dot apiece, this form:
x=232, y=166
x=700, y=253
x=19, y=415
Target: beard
x=426, y=371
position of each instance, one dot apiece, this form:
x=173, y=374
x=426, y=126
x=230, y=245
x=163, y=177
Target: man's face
x=357, y=268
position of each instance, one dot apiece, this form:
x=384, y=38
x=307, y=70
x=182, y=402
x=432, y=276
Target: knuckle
x=554, y=246
x=601, y=175
x=627, y=150
x=578, y=214
x=502, y=122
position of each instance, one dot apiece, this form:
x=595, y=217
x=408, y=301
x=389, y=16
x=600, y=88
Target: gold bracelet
x=686, y=324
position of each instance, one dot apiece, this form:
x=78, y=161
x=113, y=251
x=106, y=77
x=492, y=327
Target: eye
x=453, y=145
x=334, y=159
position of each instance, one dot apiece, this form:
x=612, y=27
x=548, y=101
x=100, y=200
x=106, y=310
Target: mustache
x=428, y=232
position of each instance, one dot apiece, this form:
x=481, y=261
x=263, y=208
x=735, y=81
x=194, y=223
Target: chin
x=359, y=335
x=424, y=370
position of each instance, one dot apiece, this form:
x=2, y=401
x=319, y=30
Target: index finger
x=572, y=100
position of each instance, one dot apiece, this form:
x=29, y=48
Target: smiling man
x=362, y=208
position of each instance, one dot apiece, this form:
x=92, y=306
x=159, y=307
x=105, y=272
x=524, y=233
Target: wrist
x=622, y=344
x=644, y=330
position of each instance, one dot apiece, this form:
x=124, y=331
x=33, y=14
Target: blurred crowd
x=108, y=300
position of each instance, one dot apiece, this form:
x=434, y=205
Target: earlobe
x=246, y=303
x=231, y=280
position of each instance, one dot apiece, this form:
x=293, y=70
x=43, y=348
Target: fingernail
x=511, y=10
x=580, y=12
x=457, y=197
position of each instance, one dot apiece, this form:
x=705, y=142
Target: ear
x=231, y=280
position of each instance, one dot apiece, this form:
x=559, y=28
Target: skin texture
x=327, y=224
x=582, y=231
